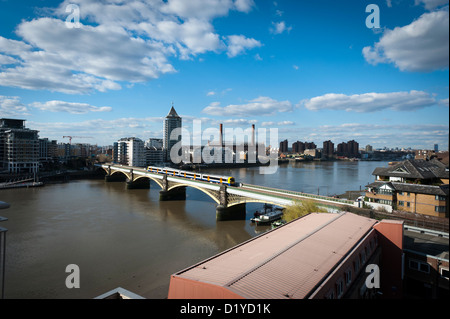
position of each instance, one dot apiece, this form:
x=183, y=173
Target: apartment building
x=19, y=147
x=416, y=186
x=130, y=151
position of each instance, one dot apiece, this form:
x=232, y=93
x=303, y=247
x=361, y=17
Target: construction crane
x=70, y=138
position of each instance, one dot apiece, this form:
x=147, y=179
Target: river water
x=128, y=238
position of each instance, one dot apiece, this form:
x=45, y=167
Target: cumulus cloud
x=279, y=27
x=238, y=44
x=260, y=106
x=371, y=102
x=116, y=42
x=69, y=107
x=11, y=106
x=422, y=45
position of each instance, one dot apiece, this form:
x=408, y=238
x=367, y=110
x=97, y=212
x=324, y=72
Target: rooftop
x=287, y=262
x=414, y=188
x=418, y=169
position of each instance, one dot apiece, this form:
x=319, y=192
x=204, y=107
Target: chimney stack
x=221, y=134
x=253, y=134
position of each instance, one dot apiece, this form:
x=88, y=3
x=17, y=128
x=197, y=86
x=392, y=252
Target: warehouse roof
x=287, y=262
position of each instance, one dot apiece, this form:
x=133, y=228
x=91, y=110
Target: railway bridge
x=230, y=200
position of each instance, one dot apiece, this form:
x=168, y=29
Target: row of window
x=346, y=279
x=380, y=201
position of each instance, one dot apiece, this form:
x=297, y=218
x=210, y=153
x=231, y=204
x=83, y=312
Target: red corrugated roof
x=286, y=262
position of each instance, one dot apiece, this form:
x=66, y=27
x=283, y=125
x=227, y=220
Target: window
x=356, y=265
x=440, y=197
x=401, y=203
x=419, y=266
x=444, y=273
x=330, y=295
x=339, y=288
x=348, y=277
x=363, y=258
x=400, y=193
x=439, y=209
x=408, y=204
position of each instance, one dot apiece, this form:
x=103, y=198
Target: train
x=223, y=180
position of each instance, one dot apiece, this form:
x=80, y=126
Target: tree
x=301, y=208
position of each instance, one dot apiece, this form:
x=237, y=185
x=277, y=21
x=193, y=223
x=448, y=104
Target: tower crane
x=70, y=138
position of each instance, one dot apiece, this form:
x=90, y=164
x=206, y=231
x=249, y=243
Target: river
x=128, y=238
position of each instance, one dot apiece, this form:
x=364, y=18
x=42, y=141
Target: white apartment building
x=130, y=151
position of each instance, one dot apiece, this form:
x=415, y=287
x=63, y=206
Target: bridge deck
x=259, y=193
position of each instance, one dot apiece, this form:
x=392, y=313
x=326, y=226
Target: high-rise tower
x=171, y=122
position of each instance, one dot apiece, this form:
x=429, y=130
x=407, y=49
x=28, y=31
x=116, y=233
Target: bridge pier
x=178, y=193
x=236, y=212
x=141, y=183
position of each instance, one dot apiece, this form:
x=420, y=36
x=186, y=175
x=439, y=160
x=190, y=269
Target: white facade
x=131, y=152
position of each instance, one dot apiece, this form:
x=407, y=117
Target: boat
x=267, y=217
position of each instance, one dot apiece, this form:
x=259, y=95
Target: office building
x=19, y=147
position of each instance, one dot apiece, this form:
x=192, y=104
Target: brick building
x=416, y=186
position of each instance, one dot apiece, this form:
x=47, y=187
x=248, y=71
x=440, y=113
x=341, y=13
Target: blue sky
x=311, y=69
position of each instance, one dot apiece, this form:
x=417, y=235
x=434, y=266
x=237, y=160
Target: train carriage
x=225, y=180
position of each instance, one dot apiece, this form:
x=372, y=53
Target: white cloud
x=69, y=107
x=117, y=42
x=280, y=27
x=371, y=102
x=281, y=123
x=11, y=106
x=422, y=45
x=431, y=4
x=444, y=102
x=260, y=106
x=211, y=93
x=238, y=44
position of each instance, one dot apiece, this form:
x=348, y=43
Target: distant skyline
x=313, y=69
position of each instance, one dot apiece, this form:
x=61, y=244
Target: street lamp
x=3, y=231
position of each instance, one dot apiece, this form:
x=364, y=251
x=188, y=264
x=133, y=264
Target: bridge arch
x=251, y=200
x=121, y=172
x=213, y=194
x=156, y=180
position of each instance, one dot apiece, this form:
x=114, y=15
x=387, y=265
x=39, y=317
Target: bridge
x=230, y=200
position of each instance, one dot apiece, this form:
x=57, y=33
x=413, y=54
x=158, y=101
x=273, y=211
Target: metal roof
x=287, y=262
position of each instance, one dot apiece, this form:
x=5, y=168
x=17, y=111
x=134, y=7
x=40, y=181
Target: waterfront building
x=19, y=147
x=130, y=151
x=416, y=186
x=349, y=149
x=171, y=122
x=284, y=146
x=298, y=147
x=48, y=149
x=328, y=149
x=318, y=256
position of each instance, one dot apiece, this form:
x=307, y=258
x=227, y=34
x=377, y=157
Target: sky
x=314, y=70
